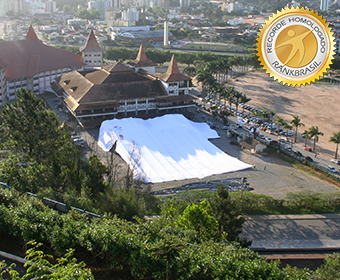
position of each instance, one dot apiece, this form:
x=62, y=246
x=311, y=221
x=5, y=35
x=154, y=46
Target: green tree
x=228, y=94
x=94, y=172
x=265, y=114
x=224, y=115
x=66, y=8
x=205, y=77
x=228, y=215
x=330, y=269
x=237, y=95
x=28, y=127
x=41, y=267
x=336, y=140
x=198, y=217
x=168, y=247
x=287, y=127
x=84, y=13
x=244, y=100
x=306, y=135
x=296, y=122
x=315, y=133
x=190, y=70
x=279, y=122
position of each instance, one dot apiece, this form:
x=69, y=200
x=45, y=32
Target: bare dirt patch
x=316, y=104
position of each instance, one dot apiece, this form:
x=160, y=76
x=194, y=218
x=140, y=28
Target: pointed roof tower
x=31, y=35
x=141, y=60
x=91, y=44
x=173, y=74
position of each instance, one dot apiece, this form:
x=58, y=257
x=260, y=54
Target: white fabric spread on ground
x=167, y=148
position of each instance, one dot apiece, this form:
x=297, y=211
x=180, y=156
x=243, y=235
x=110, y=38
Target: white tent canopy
x=167, y=148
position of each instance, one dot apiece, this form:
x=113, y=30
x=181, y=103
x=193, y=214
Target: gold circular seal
x=295, y=46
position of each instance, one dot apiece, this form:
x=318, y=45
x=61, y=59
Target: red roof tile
x=3, y=65
x=91, y=44
x=173, y=74
x=141, y=60
x=118, y=67
x=25, y=58
x=31, y=35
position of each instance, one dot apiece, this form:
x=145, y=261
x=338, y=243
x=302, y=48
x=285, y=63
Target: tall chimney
x=166, y=33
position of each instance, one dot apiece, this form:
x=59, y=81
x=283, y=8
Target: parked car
x=331, y=169
x=269, y=139
x=289, y=149
x=308, y=158
x=298, y=153
x=261, y=136
x=309, y=149
x=78, y=141
x=275, y=142
x=336, y=161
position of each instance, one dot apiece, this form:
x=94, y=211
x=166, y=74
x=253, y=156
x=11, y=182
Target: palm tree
x=212, y=88
x=264, y=114
x=296, y=122
x=287, y=127
x=306, y=134
x=314, y=133
x=205, y=77
x=224, y=115
x=237, y=96
x=213, y=67
x=229, y=95
x=225, y=68
x=336, y=140
x=219, y=88
x=244, y=100
x=256, y=114
x=271, y=115
x=279, y=122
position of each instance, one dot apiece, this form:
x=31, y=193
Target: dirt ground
x=316, y=104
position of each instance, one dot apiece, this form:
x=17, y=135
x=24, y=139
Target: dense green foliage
x=41, y=267
x=160, y=57
x=248, y=203
x=142, y=249
x=335, y=63
x=84, y=13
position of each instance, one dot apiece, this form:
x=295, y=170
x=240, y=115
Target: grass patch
x=213, y=47
x=273, y=151
x=321, y=175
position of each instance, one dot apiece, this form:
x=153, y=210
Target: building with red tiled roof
x=92, y=52
x=117, y=90
x=32, y=65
